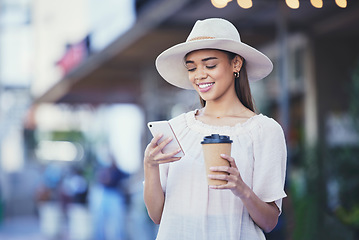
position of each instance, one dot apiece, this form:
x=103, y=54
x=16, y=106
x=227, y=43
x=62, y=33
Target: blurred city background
x=78, y=85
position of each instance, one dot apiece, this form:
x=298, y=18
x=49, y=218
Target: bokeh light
x=245, y=3
x=341, y=3
x=317, y=3
x=219, y=3
x=294, y=4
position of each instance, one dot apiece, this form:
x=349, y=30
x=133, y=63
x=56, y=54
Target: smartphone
x=164, y=127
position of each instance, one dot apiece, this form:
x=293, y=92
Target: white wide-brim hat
x=213, y=33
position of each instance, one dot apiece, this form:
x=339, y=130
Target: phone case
x=164, y=127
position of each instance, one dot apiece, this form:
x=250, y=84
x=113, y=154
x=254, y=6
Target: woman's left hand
x=234, y=179
x=264, y=214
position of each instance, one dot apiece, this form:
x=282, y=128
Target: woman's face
x=211, y=73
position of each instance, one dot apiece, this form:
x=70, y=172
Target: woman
x=214, y=62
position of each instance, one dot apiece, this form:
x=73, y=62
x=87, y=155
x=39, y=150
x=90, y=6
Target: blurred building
x=299, y=41
x=110, y=60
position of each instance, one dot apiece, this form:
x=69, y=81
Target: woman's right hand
x=153, y=153
x=153, y=192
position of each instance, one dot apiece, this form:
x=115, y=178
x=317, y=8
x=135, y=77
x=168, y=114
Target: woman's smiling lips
x=204, y=87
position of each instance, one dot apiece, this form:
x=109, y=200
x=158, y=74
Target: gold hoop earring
x=236, y=74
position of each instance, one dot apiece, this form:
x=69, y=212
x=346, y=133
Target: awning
x=114, y=74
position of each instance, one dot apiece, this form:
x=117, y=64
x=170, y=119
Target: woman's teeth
x=205, y=85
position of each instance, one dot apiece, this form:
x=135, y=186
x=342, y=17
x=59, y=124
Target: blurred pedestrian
x=75, y=186
x=214, y=62
x=108, y=203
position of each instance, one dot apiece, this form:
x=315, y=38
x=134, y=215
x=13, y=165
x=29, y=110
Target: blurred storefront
x=101, y=93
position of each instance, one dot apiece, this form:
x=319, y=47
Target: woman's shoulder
x=266, y=121
x=180, y=121
x=181, y=117
x=267, y=125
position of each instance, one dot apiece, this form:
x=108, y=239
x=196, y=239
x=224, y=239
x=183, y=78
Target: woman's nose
x=200, y=74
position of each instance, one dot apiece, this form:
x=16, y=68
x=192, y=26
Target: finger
x=155, y=140
x=218, y=176
x=156, y=148
x=226, y=169
x=163, y=144
x=172, y=154
x=151, y=147
x=223, y=186
x=164, y=156
x=222, y=178
x=231, y=161
x=169, y=160
x=232, y=173
x=229, y=185
x=220, y=187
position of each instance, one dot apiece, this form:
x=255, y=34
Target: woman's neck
x=233, y=108
x=226, y=115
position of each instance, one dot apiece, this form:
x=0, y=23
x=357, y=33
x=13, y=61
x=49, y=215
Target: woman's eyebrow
x=209, y=58
x=203, y=60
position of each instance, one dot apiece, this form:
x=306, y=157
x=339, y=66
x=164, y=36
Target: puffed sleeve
x=270, y=157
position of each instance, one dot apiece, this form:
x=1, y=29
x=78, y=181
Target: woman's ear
x=237, y=63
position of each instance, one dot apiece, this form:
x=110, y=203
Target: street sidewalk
x=21, y=228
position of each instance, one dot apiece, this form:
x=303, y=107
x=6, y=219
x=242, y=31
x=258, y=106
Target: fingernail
x=223, y=155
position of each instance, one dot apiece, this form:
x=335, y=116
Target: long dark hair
x=241, y=85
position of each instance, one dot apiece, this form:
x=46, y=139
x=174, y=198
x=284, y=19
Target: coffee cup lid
x=216, y=138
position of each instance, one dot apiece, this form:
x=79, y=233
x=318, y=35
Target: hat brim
x=170, y=63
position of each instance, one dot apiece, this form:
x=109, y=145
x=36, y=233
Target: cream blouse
x=191, y=209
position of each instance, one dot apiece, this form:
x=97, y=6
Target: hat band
x=200, y=38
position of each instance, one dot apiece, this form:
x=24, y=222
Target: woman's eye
x=191, y=69
x=211, y=67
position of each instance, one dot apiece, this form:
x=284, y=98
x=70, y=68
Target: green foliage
x=320, y=166
x=72, y=136
x=306, y=200
x=313, y=218
x=344, y=169
x=346, y=165
x=305, y=215
x=313, y=171
x=349, y=217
